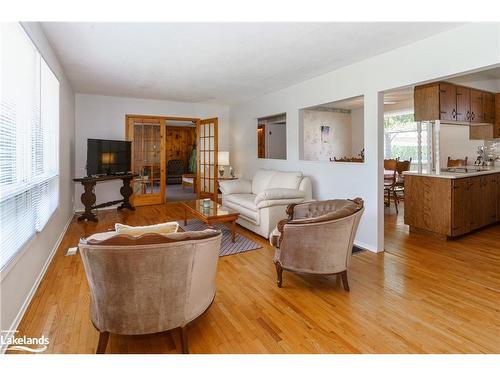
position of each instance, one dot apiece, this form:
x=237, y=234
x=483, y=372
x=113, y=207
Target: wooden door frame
x=162, y=120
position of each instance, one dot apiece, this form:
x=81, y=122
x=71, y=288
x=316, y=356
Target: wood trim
x=166, y=118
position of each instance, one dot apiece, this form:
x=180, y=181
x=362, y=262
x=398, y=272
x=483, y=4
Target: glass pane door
x=207, y=133
x=146, y=135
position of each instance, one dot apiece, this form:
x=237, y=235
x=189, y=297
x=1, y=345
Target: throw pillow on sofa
x=163, y=228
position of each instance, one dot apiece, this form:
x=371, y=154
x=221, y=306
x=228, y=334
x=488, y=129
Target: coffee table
x=211, y=215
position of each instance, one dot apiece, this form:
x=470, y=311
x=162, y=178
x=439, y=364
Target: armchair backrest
x=150, y=283
x=320, y=236
x=175, y=167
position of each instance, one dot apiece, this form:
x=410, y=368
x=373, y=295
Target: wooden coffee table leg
x=233, y=230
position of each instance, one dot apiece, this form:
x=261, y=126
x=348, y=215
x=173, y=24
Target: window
x=29, y=141
x=404, y=139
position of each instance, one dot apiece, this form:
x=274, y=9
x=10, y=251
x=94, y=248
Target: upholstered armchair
x=175, y=169
x=317, y=238
x=149, y=283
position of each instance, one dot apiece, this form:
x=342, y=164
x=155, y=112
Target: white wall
x=104, y=117
x=21, y=277
x=455, y=143
x=465, y=48
x=358, y=128
x=275, y=141
x=338, y=143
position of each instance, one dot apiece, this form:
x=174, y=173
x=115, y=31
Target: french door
x=148, y=159
x=207, y=180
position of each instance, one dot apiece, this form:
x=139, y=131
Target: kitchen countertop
x=471, y=172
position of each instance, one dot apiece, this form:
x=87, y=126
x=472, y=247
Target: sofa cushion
x=245, y=213
x=278, y=193
x=287, y=180
x=261, y=180
x=163, y=228
x=239, y=186
x=244, y=200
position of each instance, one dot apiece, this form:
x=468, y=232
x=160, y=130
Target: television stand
x=88, y=197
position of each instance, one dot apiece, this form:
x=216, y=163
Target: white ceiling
x=346, y=104
x=216, y=62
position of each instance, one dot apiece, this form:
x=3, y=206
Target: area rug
x=241, y=245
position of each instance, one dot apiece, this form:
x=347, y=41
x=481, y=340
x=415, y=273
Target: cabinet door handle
x=468, y=115
x=454, y=113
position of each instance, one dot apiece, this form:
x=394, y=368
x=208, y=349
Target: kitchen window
x=29, y=141
x=404, y=138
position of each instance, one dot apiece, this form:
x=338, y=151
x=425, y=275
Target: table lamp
x=222, y=161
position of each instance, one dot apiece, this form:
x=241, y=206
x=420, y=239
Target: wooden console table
x=88, y=197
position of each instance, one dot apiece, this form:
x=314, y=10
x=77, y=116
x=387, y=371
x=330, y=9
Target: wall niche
x=333, y=131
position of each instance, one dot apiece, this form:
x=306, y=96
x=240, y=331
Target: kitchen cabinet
x=452, y=103
x=426, y=102
x=480, y=200
x=437, y=101
x=488, y=107
x=463, y=103
x=498, y=197
x=489, y=202
x=447, y=101
x=451, y=207
x=476, y=106
x=461, y=207
x=496, y=125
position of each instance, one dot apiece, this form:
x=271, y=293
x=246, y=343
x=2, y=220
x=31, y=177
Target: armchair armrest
x=239, y=186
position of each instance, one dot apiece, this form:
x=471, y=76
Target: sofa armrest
x=280, y=194
x=239, y=186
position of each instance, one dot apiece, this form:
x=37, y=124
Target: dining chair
x=399, y=183
x=452, y=163
x=390, y=174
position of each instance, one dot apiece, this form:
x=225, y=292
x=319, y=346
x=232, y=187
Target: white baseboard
x=28, y=299
x=365, y=246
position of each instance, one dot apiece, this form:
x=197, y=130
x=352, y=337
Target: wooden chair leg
x=103, y=342
x=345, y=283
x=279, y=272
x=396, y=201
x=184, y=340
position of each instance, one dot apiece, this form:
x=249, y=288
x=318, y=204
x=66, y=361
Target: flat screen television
x=108, y=157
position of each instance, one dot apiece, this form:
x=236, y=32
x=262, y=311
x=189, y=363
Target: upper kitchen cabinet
x=463, y=103
x=476, y=106
x=488, y=107
x=436, y=101
x=447, y=101
x=496, y=124
x=451, y=103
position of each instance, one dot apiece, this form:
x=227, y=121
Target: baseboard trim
x=37, y=282
x=367, y=247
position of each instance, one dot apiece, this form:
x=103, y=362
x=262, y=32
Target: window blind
x=29, y=141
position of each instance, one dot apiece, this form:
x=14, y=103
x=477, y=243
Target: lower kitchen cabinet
x=451, y=207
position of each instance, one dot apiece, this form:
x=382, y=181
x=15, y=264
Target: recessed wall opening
x=271, y=137
x=333, y=131
x=441, y=156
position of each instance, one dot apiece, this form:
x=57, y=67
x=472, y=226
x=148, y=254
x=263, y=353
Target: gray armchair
x=150, y=283
x=317, y=238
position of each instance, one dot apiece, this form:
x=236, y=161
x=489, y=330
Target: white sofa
x=262, y=201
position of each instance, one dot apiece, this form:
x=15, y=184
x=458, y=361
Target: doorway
x=174, y=158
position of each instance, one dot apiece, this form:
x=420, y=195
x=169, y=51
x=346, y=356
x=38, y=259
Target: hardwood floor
x=422, y=295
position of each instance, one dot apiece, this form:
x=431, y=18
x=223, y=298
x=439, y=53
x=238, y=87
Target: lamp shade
x=223, y=158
